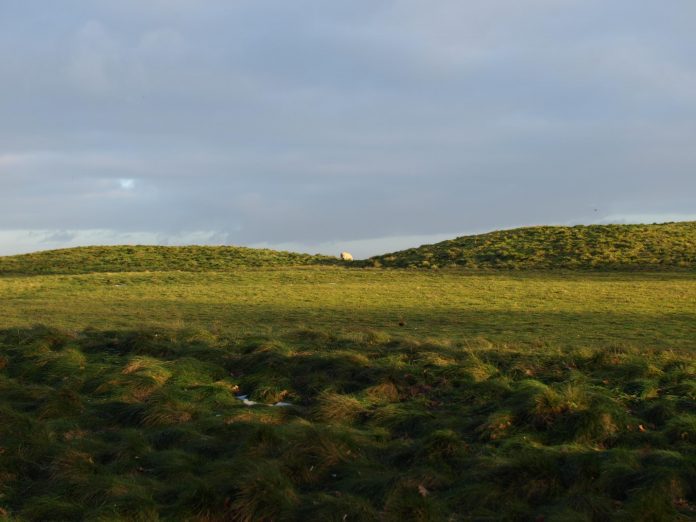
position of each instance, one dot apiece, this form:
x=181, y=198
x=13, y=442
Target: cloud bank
x=317, y=125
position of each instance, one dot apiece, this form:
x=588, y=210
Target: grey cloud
x=61, y=236
x=314, y=123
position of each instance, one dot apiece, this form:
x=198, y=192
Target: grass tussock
x=337, y=408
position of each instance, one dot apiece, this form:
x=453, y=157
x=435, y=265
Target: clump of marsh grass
x=313, y=452
x=263, y=494
x=66, y=403
x=338, y=408
x=337, y=507
x=163, y=410
x=383, y=392
x=478, y=369
x=443, y=446
x=497, y=426
x=74, y=466
x=139, y=378
x=51, y=507
x=412, y=500
x=681, y=429
x=554, y=402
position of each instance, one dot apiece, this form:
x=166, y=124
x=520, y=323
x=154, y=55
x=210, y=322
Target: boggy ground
x=147, y=425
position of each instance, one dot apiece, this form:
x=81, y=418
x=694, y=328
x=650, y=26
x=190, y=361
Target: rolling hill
x=668, y=246
x=152, y=258
x=612, y=247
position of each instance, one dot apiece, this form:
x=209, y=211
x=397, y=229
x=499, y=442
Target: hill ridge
x=632, y=246
x=665, y=246
x=142, y=258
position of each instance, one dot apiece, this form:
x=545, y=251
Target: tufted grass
x=127, y=426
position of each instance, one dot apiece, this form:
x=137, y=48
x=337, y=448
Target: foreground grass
x=570, y=309
x=146, y=425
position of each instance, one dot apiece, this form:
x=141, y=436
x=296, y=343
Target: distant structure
x=346, y=256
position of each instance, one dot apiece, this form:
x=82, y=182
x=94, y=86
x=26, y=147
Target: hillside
x=613, y=247
x=151, y=258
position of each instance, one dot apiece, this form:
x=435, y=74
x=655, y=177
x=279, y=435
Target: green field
x=425, y=395
x=568, y=308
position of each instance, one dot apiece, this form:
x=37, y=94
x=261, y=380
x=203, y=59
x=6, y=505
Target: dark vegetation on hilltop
x=147, y=425
x=152, y=258
x=615, y=247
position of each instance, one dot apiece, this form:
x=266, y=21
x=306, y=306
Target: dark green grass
x=606, y=247
x=138, y=258
x=145, y=425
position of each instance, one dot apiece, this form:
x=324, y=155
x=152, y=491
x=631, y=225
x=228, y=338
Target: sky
x=361, y=125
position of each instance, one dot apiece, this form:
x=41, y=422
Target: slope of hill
x=660, y=246
x=613, y=247
x=151, y=258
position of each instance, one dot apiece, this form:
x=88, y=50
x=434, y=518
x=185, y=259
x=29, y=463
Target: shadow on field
x=668, y=330
x=145, y=424
x=546, y=275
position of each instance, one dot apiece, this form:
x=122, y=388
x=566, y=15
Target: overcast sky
x=322, y=125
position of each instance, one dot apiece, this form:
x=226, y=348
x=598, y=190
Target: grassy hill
x=152, y=258
x=666, y=246
x=614, y=247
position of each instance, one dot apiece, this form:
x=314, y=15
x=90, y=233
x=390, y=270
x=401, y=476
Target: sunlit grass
x=567, y=308
x=596, y=247
x=144, y=258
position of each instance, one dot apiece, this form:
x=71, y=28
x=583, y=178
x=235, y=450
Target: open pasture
x=565, y=308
